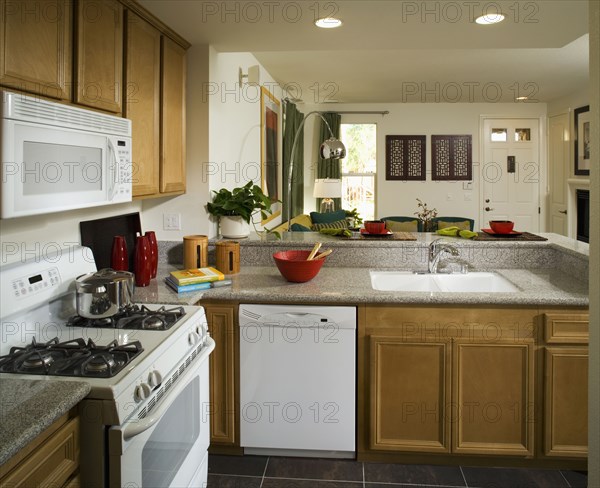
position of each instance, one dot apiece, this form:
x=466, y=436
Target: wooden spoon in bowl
x=314, y=251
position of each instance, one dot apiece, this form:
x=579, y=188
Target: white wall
x=398, y=197
x=40, y=235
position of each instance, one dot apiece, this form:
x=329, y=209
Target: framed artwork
x=405, y=158
x=582, y=140
x=451, y=158
x=270, y=167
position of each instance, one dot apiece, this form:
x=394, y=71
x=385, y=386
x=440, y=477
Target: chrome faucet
x=436, y=248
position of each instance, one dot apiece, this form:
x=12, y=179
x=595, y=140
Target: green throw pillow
x=408, y=226
x=462, y=225
x=327, y=217
x=299, y=228
x=340, y=224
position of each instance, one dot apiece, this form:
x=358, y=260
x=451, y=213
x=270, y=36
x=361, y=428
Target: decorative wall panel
x=405, y=158
x=451, y=158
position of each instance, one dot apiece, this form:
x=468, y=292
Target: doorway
x=510, y=172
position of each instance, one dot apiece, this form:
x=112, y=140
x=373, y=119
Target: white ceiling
x=396, y=50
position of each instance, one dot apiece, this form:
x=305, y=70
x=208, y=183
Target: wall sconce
x=253, y=76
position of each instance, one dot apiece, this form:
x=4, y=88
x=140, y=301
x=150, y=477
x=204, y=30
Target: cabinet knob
x=488, y=209
x=562, y=212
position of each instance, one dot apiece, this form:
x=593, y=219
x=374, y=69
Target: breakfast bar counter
x=548, y=273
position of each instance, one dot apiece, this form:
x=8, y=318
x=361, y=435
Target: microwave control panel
x=125, y=164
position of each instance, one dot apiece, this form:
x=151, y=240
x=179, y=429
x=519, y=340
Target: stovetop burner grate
x=133, y=317
x=70, y=358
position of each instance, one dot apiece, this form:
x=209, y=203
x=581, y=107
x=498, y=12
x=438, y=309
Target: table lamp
x=327, y=189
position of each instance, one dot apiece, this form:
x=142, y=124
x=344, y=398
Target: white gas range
x=145, y=421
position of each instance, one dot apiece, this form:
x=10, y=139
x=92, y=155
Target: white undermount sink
x=477, y=282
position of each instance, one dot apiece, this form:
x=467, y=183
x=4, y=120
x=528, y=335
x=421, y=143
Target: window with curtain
x=359, y=168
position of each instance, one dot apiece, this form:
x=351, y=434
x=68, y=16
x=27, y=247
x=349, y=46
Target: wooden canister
x=228, y=257
x=195, y=252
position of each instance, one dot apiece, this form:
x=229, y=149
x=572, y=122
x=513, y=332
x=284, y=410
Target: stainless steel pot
x=102, y=293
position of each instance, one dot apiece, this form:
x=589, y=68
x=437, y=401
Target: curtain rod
x=365, y=112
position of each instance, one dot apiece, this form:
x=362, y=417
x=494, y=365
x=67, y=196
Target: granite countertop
x=547, y=287
x=28, y=407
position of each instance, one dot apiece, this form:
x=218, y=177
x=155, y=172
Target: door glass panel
x=172, y=438
x=522, y=135
x=499, y=135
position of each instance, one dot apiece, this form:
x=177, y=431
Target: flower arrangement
x=425, y=215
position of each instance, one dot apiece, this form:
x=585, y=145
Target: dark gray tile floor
x=286, y=472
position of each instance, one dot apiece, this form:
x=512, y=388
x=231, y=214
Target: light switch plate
x=172, y=221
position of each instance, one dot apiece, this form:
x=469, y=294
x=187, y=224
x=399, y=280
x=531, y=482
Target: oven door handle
x=134, y=428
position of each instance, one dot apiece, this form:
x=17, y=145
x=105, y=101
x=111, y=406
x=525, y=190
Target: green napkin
x=454, y=231
x=336, y=232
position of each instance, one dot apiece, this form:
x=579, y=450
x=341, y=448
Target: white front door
x=510, y=172
x=558, y=172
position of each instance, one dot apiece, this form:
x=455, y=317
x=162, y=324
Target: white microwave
x=56, y=157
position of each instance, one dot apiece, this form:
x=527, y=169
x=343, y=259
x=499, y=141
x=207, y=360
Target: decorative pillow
x=327, y=217
x=339, y=224
x=299, y=228
x=408, y=226
x=462, y=225
x=303, y=220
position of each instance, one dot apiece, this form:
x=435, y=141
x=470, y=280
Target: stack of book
x=193, y=279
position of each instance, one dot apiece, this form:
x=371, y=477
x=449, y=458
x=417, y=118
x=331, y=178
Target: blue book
x=184, y=288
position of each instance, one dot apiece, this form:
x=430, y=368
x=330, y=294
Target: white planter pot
x=234, y=227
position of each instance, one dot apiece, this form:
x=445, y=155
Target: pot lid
x=97, y=281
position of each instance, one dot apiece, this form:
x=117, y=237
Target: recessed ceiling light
x=488, y=19
x=328, y=23
x=521, y=98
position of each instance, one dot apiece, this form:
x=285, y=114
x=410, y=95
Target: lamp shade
x=327, y=188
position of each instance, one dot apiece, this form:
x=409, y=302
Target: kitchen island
x=442, y=377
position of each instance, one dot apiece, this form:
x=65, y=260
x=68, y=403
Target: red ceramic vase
x=143, y=268
x=119, y=259
x=153, y=252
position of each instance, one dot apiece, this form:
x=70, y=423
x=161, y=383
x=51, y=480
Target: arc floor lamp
x=332, y=148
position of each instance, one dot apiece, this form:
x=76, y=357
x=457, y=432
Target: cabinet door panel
x=142, y=102
x=493, y=396
x=566, y=405
x=172, y=164
x=408, y=395
x=100, y=54
x=36, y=46
x=222, y=375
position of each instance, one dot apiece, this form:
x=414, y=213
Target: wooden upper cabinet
x=35, y=53
x=99, y=54
x=172, y=157
x=142, y=101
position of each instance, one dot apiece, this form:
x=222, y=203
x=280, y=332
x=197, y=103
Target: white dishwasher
x=298, y=380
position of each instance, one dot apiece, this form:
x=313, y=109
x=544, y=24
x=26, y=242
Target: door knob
x=562, y=212
x=488, y=209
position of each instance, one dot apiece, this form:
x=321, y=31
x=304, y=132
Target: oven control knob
x=193, y=338
x=154, y=378
x=142, y=391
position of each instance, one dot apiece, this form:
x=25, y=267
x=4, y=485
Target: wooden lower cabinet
x=409, y=394
x=446, y=380
x=565, y=357
x=493, y=398
x=224, y=376
x=51, y=460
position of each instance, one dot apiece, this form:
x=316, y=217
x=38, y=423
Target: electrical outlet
x=172, y=221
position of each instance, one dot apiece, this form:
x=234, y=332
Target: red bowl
x=502, y=226
x=293, y=265
x=375, y=226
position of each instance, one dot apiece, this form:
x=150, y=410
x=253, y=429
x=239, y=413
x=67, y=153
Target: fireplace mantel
x=574, y=184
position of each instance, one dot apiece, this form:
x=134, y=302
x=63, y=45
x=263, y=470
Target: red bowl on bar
x=294, y=267
x=502, y=226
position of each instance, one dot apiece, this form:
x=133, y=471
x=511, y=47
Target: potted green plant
x=235, y=208
x=353, y=218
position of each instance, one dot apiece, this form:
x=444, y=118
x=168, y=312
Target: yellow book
x=196, y=275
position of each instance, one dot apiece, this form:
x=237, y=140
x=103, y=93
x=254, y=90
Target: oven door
x=166, y=448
